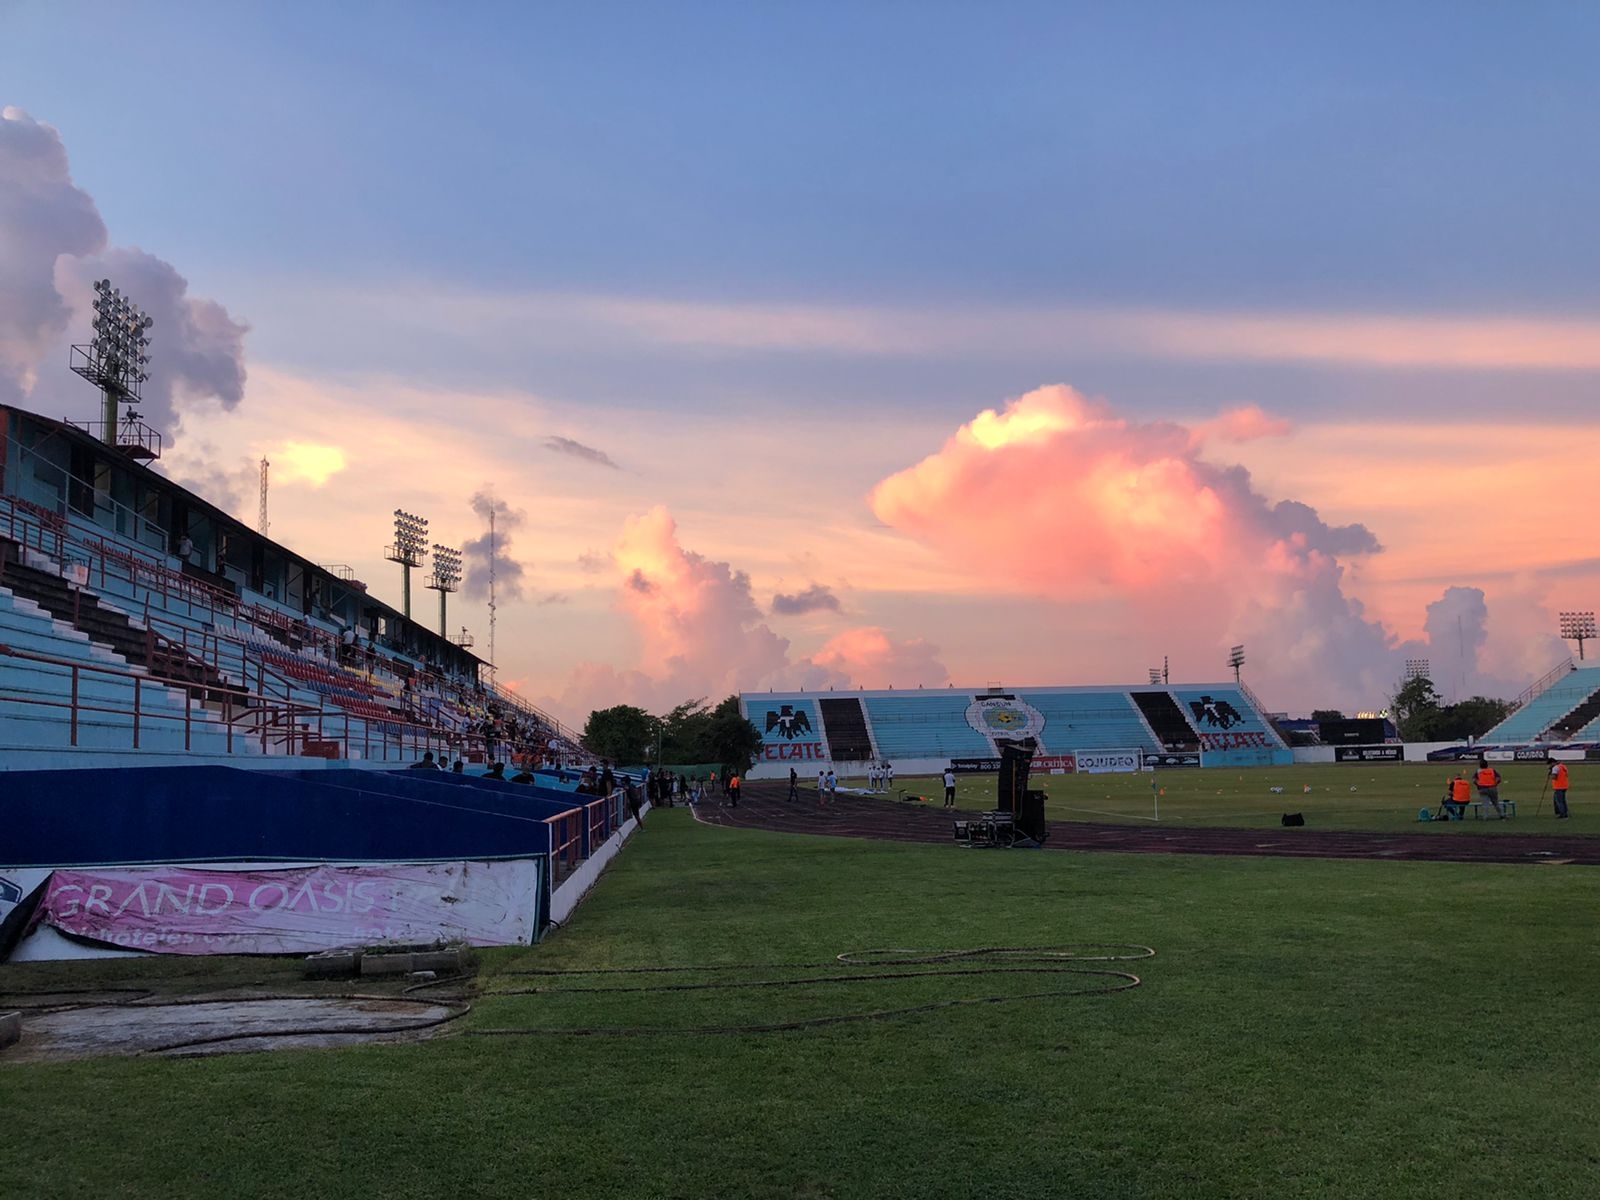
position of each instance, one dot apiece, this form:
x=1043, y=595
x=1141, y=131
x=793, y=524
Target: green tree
x=1471, y=718
x=624, y=734
x=686, y=734
x=1326, y=714
x=735, y=742
x=1417, y=710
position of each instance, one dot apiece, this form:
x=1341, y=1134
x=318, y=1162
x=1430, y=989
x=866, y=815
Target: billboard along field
x=1304, y=1029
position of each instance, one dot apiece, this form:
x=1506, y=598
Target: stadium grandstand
x=115, y=643
x=1072, y=728
x=186, y=705
x=1564, y=706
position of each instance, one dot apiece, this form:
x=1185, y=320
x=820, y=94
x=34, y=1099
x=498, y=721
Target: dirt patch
x=225, y=1025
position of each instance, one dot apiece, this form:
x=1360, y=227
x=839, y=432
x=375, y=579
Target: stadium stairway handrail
x=1543, y=684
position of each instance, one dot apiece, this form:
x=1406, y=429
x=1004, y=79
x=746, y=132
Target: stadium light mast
x=1236, y=660
x=115, y=362
x=1418, y=668
x=1155, y=676
x=409, y=549
x=1577, y=627
x=446, y=578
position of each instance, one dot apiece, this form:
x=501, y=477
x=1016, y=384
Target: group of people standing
x=1487, y=779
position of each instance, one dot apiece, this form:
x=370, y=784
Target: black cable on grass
x=1060, y=960
x=127, y=995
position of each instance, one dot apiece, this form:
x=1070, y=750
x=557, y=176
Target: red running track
x=765, y=805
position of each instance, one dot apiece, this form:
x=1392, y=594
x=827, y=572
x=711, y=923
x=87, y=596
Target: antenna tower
x=491, y=594
x=262, y=523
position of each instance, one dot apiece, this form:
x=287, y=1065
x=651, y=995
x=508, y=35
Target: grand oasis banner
x=175, y=910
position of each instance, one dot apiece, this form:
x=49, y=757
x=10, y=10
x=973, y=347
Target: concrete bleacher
x=1537, y=716
x=933, y=725
x=117, y=704
x=1093, y=721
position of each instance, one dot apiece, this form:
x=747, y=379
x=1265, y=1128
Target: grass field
x=1345, y=796
x=1307, y=1028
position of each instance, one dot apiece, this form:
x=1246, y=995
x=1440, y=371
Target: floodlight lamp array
x=1577, y=625
x=446, y=568
x=410, y=537
x=1236, y=657
x=1419, y=668
x=119, y=353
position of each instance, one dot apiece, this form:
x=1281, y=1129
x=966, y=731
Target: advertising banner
x=1531, y=753
x=1172, y=758
x=790, y=733
x=1106, y=762
x=974, y=766
x=177, y=910
x=1059, y=764
x=1372, y=754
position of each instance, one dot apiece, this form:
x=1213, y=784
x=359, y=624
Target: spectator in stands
x=427, y=763
x=950, y=786
x=458, y=768
x=185, y=547
x=497, y=770
x=1558, y=788
x=589, y=784
x=523, y=776
x=608, y=781
x=1488, y=781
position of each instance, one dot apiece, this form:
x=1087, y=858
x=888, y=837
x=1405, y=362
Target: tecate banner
x=174, y=910
x=1105, y=762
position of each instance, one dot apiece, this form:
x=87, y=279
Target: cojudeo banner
x=176, y=910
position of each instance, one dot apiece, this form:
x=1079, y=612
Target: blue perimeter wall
x=206, y=814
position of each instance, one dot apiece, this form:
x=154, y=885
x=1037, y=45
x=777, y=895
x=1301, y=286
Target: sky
x=899, y=344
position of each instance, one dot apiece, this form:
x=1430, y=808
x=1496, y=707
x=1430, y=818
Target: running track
x=765, y=805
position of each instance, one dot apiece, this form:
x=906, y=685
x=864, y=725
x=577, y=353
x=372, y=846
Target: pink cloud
x=1247, y=423
x=871, y=658
x=1060, y=495
x=701, y=634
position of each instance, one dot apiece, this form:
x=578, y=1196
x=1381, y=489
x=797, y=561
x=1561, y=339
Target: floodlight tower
x=1236, y=660
x=1155, y=676
x=115, y=362
x=1418, y=668
x=446, y=578
x=409, y=549
x=1577, y=627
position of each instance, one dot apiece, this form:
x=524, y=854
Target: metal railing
x=247, y=720
x=1543, y=684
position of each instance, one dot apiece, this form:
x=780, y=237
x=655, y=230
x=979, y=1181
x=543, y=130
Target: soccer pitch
x=1306, y=1028
x=1383, y=798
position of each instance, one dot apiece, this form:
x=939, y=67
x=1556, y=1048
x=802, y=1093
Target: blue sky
x=833, y=234
x=1424, y=157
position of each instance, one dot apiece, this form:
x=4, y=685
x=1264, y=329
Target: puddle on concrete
x=223, y=1026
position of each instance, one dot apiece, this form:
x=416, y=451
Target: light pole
x=1236, y=660
x=1577, y=627
x=446, y=577
x=115, y=361
x=409, y=549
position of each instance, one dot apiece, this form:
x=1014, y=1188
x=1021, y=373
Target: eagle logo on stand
x=787, y=722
